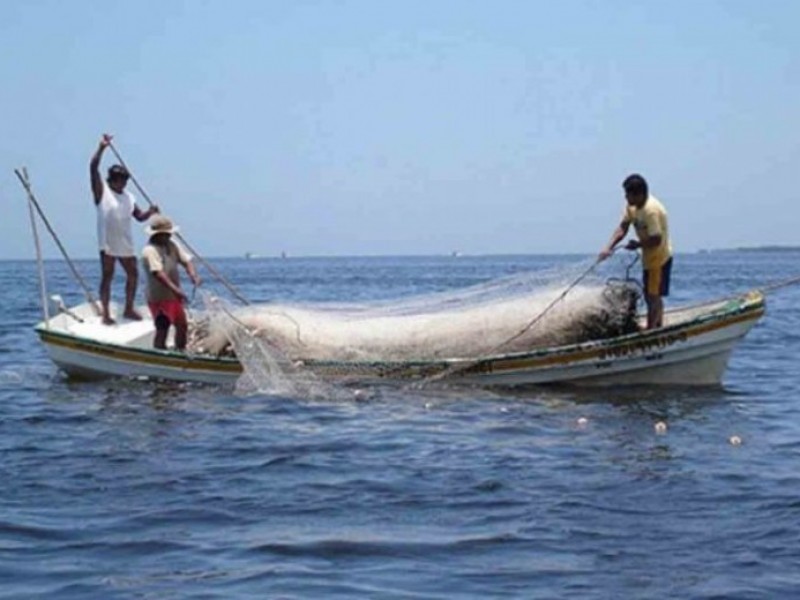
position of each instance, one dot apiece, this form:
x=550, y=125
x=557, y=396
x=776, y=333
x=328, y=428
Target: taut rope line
x=457, y=368
x=539, y=317
x=205, y=263
x=780, y=284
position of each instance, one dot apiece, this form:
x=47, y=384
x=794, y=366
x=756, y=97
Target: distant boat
x=250, y=256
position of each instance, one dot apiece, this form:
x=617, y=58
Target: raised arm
x=94, y=168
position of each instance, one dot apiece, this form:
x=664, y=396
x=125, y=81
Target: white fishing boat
x=692, y=348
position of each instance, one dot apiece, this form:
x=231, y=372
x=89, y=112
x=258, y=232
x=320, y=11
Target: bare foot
x=108, y=320
x=132, y=315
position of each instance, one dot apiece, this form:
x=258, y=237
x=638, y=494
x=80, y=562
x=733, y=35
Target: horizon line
x=454, y=255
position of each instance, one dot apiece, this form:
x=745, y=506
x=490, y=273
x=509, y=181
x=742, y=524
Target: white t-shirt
x=114, y=212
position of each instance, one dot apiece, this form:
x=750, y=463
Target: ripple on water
x=141, y=489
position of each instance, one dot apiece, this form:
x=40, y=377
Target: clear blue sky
x=406, y=127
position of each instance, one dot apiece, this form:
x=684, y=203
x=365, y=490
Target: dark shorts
x=656, y=281
x=167, y=312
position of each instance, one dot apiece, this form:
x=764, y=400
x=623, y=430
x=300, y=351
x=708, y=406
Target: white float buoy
x=582, y=422
x=735, y=440
x=661, y=427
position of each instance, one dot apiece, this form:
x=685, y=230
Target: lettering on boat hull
x=642, y=346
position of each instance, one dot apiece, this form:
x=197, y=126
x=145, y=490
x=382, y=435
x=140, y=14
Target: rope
x=458, y=368
x=780, y=284
x=547, y=308
x=32, y=199
x=183, y=240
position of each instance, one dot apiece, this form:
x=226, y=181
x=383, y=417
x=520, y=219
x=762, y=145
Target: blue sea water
x=130, y=489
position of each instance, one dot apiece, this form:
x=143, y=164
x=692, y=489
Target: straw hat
x=160, y=224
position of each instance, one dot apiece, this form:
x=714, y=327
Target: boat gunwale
x=197, y=361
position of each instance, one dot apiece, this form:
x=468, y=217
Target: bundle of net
x=517, y=313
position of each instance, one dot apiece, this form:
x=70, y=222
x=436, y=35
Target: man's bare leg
x=655, y=312
x=106, y=275
x=129, y=264
x=160, y=339
x=181, y=333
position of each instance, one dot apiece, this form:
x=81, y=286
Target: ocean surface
x=135, y=489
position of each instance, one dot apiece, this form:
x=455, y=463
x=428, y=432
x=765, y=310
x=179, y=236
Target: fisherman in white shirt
x=115, y=207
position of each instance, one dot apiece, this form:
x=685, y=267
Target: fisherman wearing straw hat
x=115, y=207
x=160, y=259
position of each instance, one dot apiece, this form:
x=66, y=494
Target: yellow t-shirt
x=648, y=221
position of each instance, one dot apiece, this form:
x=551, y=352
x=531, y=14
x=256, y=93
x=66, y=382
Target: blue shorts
x=656, y=281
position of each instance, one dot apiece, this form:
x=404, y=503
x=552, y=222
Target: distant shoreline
x=775, y=248
x=266, y=256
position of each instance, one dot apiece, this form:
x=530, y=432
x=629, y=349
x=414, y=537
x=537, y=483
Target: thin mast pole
x=39, y=260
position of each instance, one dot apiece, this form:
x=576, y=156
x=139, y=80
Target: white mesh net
x=507, y=315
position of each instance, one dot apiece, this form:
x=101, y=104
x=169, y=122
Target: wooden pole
x=183, y=240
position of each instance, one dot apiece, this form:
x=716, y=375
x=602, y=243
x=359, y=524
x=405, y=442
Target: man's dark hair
x=118, y=171
x=635, y=184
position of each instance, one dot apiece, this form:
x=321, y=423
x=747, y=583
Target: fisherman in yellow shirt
x=649, y=218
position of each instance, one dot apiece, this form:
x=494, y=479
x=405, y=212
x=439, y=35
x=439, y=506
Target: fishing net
x=512, y=314
x=267, y=370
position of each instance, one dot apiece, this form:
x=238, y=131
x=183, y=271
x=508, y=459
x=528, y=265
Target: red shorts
x=172, y=310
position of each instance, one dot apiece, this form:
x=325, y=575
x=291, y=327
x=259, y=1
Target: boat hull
x=692, y=351
x=699, y=359
x=703, y=366
x=84, y=359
